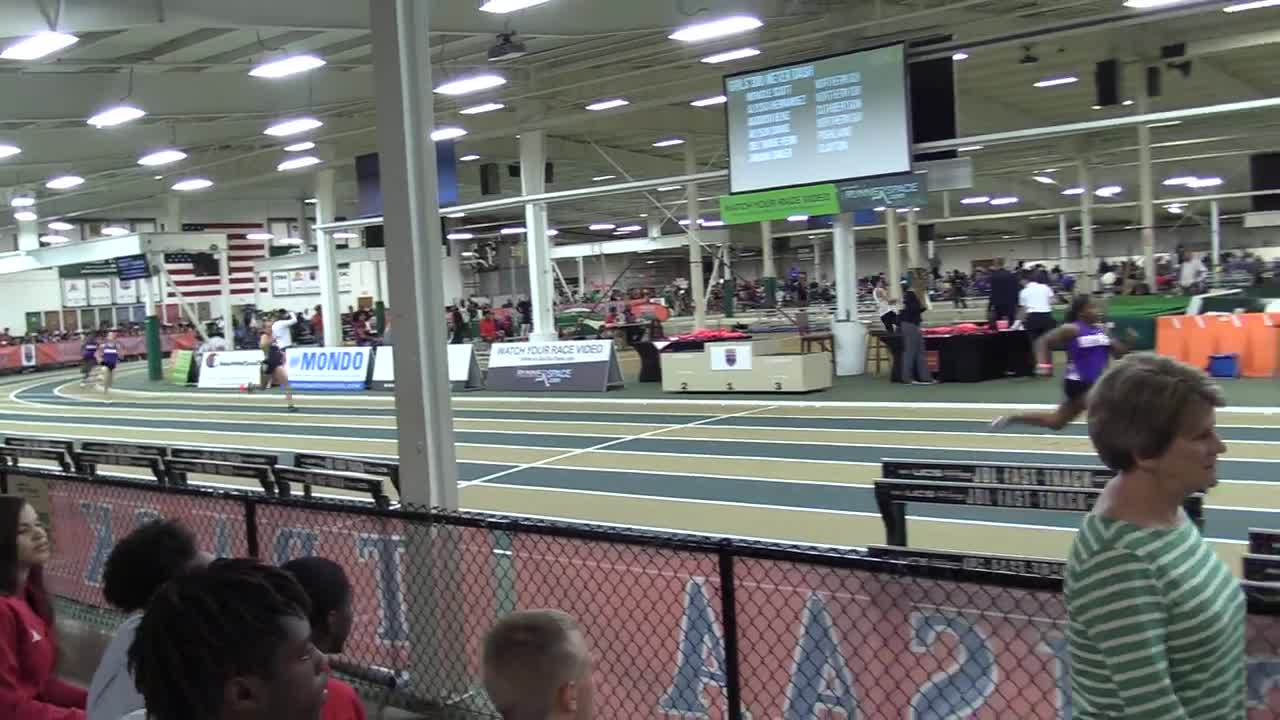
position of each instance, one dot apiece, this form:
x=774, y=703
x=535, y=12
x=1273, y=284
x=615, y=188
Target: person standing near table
x=884, y=306
x=1003, y=303
x=1035, y=302
x=914, y=364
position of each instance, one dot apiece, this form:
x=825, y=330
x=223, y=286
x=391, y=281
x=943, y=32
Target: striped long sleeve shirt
x=1156, y=626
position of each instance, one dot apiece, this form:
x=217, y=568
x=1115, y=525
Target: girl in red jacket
x=28, y=689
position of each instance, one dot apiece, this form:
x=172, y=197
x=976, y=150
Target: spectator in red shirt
x=317, y=326
x=28, y=650
x=329, y=590
x=488, y=328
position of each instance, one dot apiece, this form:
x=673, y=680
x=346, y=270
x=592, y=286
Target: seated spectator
x=28, y=649
x=537, y=665
x=229, y=643
x=139, y=564
x=329, y=590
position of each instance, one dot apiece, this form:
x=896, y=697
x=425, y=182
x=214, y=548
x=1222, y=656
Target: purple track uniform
x=110, y=355
x=1087, y=357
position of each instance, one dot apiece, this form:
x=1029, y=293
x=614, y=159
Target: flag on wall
x=243, y=253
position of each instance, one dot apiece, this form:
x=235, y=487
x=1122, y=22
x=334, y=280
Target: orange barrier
x=1255, y=337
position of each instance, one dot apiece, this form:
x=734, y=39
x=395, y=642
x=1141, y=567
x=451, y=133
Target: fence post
x=729, y=616
x=251, y=527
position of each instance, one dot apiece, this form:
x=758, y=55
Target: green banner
x=779, y=204
x=181, y=367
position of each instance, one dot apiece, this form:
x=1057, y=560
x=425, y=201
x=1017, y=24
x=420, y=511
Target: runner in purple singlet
x=1089, y=348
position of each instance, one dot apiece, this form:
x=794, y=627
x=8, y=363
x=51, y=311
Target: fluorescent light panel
x=25, y=216
x=468, y=85
x=960, y=56
x=192, y=184
x=708, y=102
x=447, y=133
x=293, y=127
x=1073, y=191
x=1257, y=5
x=114, y=231
x=798, y=218
x=38, y=45
x=287, y=66
x=117, y=115
x=162, y=157
x=977, y=200
x=508, y=6
x=711, y=223
x=298, y=163
x=55, y=239
x=602, y=226
x=64, y=182
x=300, y=147
x=1055, y=82
x=630, y=228
x=1205, y=182
x=512, y=231
x=468, y=158
x=9, y=150
x=460, y=236
x=668, y=143
x=479, y=109
x=730, y=55
x=608, y=104
x=61, y=226
x=1044, y=180
x=1004, y=201
x=723, y=27
x=22, y=201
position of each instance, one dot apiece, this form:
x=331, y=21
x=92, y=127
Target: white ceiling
x=188, y=60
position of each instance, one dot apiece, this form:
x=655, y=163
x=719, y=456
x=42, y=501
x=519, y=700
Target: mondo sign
x=554, y=366
x=331, y=368
x=230, y=369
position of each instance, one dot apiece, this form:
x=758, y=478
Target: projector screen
x=829, y=119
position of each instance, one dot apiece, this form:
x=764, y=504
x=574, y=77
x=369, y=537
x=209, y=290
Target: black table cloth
x=972, y=358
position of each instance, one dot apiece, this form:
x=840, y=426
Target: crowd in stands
x=45, y=335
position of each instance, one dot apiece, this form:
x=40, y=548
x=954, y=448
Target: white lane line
x=601, y=446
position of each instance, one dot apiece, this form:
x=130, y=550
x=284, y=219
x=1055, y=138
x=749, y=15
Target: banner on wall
x=554, y=366
x=464, y=369
x=305, y=282
x=329, y=368
x=100, y=291
x=75, y=292
x=126, y=291
x=230, y=369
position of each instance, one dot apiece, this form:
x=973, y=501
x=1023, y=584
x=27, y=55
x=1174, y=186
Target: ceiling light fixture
x=61, y=226
x=293, y=127
x=630, y=228
x=1055, y=82
x=970, y=148
x=1205, y=182
x=64, y=182
x=114, y=231
x=798, y=218
x=9, y=150
x=960, y=56
x=1180, y=180
x=1127, y=103
x=310, y=201
x=192, y=184
x=977, y=200
x=161, y=157
x=1073, y=191
x=260, y=236
x=730, y=55
x=708, y=102
x=723, y=27
x=468, y=85
x=1176, y=210
x=711, y=223
x=118, y=115
x=460, y=236
x=298, y=163
x=668, y=143
x=300, y=147
x=1108, y=191
x=55, y=239
x=36, y=46
x=601, y=178
x=480, y=109
x=1256, y=5
x=512, y=231
x=602, y=226
x=508, y=6
x=1004, y=200
x=22, y=201
x=468, y=158
x=1044, y=180
x=608, y=104
x=285, y=66
x=447, y=133
x=1097, y=107
x=25, y=216
x=552, y=232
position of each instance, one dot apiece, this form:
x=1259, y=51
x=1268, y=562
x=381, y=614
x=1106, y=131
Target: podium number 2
x=684, y=386
x=728, y=386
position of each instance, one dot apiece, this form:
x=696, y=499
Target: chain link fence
x=680, y=627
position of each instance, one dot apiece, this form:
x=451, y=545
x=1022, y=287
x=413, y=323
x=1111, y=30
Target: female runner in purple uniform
x=1089, y=348
x=110, y=358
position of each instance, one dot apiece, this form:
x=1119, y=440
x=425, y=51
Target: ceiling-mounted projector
x=508, y=48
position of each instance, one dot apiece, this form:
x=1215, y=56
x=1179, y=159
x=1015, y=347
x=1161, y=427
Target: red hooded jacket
x=28, y=653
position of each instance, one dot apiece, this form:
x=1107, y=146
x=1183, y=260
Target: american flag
x=243, y=253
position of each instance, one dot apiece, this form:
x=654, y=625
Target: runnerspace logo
x=211, y=361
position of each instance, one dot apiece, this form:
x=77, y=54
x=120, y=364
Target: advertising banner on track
x=329, y=368
x=554, y=366
x=464, y=370
x=230, y=369
x=28, y=356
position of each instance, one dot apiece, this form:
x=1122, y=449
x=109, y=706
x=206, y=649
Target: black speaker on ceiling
x=549, y=173
x=933, y=104
x=1106, y=78
x=1264, y=174
x=490, y=181
x=1155, y=84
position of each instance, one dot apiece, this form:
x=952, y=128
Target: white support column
x=379, y=271
x=582, y=278
x=29, y=233
x=424, y=418
x=542, y=295
x=330, y=307
x=766, y=250
x=452, y=268
x=654, y=223
x=173, y=214
x=1215, y=235
x=894, y=273
x=224, y=293
x=850, y=337
x=1146, y=192
x=1086, y=227
x=695, y=248
x=817, y=259
x=933, y=249
x=1062, y=239
x=913, y=240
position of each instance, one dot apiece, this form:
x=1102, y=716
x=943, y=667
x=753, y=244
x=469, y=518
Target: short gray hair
x=528, y=655
x=1139, y=406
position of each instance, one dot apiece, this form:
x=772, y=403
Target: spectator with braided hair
x=229, y=643
x=329, y=591
x=138, y=565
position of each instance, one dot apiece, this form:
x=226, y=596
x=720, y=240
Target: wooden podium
x=743, y=367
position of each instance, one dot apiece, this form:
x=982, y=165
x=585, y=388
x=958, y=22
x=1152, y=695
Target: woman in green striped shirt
x=1157, y=620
